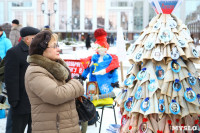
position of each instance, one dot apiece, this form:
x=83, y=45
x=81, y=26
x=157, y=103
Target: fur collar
x=58, y=69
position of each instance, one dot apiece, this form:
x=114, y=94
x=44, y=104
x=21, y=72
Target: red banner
x=75, y=67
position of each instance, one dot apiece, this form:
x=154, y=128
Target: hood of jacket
x=58, y=69
x=3, y=35
x=16, y=27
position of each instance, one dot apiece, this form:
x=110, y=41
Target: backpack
x=2, y=66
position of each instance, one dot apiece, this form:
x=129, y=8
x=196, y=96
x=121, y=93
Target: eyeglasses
x=55, y=46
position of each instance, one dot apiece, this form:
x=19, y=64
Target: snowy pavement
x=108, y=118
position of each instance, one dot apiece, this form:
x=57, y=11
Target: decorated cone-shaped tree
x=161, y=91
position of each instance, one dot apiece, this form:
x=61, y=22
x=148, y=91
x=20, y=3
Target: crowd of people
x=39, y=87
x=40, y=91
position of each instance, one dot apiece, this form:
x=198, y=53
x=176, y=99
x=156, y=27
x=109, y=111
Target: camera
x=2, y=99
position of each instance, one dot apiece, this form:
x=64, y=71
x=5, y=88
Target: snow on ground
x=108, y=118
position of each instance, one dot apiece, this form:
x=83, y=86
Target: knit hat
x=40, y=42
x=27, y=31
x=100, y=35
x=46, y=26
x=15, y=21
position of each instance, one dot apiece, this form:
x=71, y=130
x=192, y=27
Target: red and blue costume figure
x=102, y=67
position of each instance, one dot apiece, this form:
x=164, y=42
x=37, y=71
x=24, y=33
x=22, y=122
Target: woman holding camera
x=50, y=89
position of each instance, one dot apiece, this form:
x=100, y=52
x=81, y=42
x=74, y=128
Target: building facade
x=84, y=16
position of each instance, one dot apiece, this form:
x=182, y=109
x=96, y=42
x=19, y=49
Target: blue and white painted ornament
x=129, y=80
x=165, y=35
x=181, y=42
x=149, y=45
x=195, y=52
x=171, y=23
x=160, y=73
x=174, y=107
x=174, y=53
x=152, y=85
x=128, y=105
x=157, y=54
x=198, y=97
x=138, y=93
x=175, y=66
x=189, y=95
x=177, y=85
x=161, y=106
x=139, y=55
x=157, y=25
x=191, y=79
x=142, y=74
x=128, y=71
x=145, y=104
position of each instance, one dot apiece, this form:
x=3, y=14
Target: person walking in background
x=5, y=43
x=6, y=28
x=15, y=32
x=108, y=40
x=15, y=68
x=87, y=42
x=112, y=40
x=50, y=88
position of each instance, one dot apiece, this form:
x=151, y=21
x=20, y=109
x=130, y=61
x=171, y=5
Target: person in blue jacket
x=5, y=43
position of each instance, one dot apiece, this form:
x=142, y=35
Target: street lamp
x=70, y=22
x=48, y=13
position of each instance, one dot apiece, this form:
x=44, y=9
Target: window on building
x=112, y=20
x=88, y=14
x=22, y=4
x=101, y=13
x=62, y=14
x=122, y=4
x=76, y=14
x=138, y=15
x=124, y=20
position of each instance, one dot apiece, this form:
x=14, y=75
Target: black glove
x=79, y=79
x=80, y=76
x=116, y=84
x=14, y=103
x=2, y=99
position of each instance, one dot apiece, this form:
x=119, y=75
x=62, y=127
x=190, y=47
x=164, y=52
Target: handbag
x=95, y=119
x=85, y=108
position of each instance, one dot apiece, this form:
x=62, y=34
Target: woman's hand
x=81, y=98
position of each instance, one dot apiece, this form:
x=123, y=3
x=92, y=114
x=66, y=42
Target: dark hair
x=15, y=21
x=40, y=42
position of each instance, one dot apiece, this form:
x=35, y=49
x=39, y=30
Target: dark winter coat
x=52, y=100
x=15, y=68
x=88, y=42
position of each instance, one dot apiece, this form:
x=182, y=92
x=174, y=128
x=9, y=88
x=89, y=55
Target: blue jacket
x=5, y=44
x=104, y=81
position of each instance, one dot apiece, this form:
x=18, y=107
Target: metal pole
x=49, y=17
x=72, y=33
x=127, y=30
